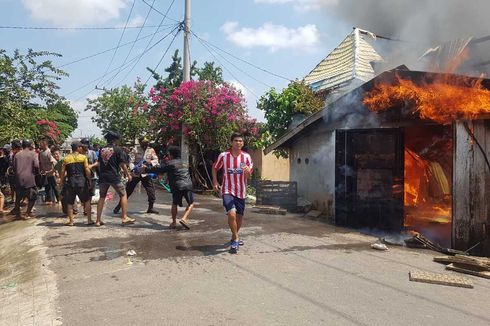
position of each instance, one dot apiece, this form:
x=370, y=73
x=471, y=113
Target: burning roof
x=439, y=97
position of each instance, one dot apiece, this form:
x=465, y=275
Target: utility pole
x=187, y=74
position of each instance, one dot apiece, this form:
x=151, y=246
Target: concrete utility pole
x=187, y=73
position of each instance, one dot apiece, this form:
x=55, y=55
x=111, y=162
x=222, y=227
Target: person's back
x=75, y=164
x=25, y=166
x=178, y=175
x=110, y=159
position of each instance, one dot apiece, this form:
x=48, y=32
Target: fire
x=445, y=100
x=415, y=172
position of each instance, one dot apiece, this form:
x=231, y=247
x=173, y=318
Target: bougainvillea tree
x=207, y=112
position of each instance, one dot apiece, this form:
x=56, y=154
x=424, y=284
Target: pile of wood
x=419, y=241
x=477, y=266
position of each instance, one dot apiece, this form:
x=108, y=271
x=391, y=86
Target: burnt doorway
x=369, y=178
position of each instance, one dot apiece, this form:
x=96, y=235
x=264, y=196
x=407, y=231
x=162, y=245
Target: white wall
x=316, y=179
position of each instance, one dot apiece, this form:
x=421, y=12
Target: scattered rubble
x=379, y=246
x=476, y=266
x=271, y=210
x=440, y=279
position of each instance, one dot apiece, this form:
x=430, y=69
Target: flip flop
x=99, y=224
x=90, y=223
x=69, y=224
x=184, y=224
x=128, y=221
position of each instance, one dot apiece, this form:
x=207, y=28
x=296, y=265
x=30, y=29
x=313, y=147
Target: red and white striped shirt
x=234, y=181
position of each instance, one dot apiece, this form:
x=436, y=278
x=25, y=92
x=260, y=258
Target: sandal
x=90, y=223
x=128, y=221
x=184, y=224
x=69, y=224
x=99, y=224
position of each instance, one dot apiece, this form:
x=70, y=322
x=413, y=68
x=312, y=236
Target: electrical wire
x=132, y=46
x=240, y=59
x=113, y=48
x=163, y=56
x=226, y=69
x=74, y=28
x=120, y=39
x=113, y=70
x=161, y=13
x=149, y=42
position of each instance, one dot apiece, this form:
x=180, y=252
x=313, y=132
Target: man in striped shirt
x=236, y=166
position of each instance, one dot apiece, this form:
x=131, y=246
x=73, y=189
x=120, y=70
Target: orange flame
x=442, y=101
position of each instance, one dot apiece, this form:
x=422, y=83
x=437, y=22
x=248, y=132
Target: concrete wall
x=312, y=166
x=269, y=167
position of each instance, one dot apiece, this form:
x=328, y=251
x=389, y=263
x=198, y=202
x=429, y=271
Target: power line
x=132, y=46
x=149, y=42
x=163, y=56
x=242, y=71
x=161, y=13
x=120, y=39
x=227, y=70
x=113, y=70
x=75, y=28
x=240, y=59
x=108, y=50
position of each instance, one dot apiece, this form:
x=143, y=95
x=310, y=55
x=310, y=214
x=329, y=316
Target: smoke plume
x=424, y=21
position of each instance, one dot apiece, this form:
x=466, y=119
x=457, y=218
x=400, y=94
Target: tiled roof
x=350, y=60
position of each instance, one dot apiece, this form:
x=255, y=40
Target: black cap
x=75, y=145
x=26, y=143
x=112, y=135
x=85, y=141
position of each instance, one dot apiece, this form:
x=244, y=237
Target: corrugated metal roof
x=350, y=60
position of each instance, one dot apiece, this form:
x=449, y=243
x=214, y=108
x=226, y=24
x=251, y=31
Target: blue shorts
x=232, y=203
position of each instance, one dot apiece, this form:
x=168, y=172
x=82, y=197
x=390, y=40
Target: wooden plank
x=463, y=156
x=440, y=279
x=468, y=270
x=481, y=263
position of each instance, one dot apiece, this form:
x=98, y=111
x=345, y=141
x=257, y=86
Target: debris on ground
x=419, y=241
x=313, y=214
x=271, y=210
x=131, y=252
x=440, y=279
x=303, y=205
x=379, y=246
x=477, y=266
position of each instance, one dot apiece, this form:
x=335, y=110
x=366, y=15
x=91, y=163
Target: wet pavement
x=291, y=271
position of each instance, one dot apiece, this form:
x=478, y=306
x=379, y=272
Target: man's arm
x=62, y=175
x=86, y=167
x=125, y=169
x=216, y=166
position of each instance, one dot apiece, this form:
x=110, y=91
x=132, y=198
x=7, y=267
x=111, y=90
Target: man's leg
x=18, y=199
x=69, y=213
x=2, y=202
x=54, y=187
x=103, y=188
x=232, y=223
x=123, y=200
x=47, y=190
x=129, y=190
x=32, y=196
x=174, y=216
x=150, y=192
x=88, y=209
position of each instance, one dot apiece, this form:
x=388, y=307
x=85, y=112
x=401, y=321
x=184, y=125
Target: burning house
x=405, y=150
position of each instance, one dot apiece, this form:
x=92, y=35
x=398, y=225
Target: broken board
x=440, y=279
x=480, y=262
x=271, y=210
x=467, y=269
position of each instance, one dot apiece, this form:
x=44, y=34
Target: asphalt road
x=291, y=271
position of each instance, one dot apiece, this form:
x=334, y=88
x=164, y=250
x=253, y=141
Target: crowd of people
x=29, y=169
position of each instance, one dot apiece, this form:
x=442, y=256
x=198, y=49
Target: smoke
x=421, y=21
